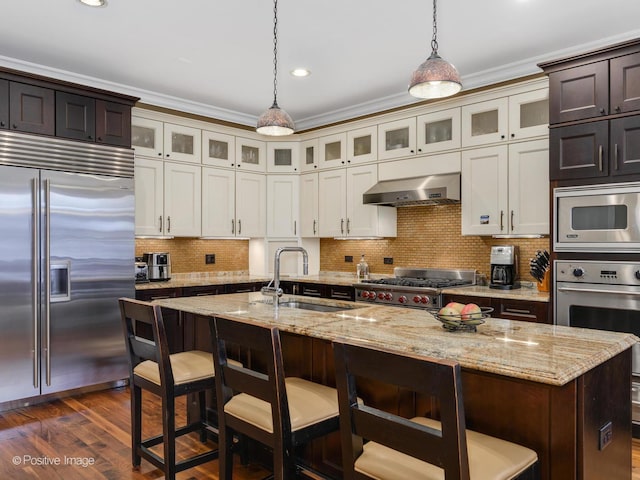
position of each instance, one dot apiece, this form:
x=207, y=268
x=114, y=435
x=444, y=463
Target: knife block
x=544, y=285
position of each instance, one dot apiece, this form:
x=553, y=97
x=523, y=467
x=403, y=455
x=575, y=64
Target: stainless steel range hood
x=429, y=190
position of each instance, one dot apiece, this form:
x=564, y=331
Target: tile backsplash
x=428, y=236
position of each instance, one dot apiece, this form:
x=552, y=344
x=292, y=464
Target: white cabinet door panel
x=218, y=202
x=183, y=199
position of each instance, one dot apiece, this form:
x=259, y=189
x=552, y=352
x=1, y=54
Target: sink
x=315, y=306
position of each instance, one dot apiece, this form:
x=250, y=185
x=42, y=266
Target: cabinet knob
x=14, y=126
x=602, y=111
x=2, y=124
x=502, y=137
x=159, y=154
x=411, y=151
x=99, y=139
x=618, y=109
x=513, y=135
x=167, y=155
x=89, y=137
x=315, y=166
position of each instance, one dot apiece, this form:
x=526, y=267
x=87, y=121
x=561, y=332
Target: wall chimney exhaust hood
x=405, y=192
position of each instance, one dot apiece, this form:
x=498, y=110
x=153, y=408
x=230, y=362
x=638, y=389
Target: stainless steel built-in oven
x=604, y=296
x=597, y=218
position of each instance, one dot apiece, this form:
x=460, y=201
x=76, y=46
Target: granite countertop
x=528, y=293
x=541, y=353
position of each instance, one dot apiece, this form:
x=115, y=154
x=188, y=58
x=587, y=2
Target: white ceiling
x=214, y=57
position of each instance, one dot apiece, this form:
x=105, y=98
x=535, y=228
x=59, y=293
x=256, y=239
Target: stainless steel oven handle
x=597, y=290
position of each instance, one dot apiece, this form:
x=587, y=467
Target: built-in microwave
x=597, y=218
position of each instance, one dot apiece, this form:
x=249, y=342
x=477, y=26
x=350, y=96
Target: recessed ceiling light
x=94, y=3
x=300, y=72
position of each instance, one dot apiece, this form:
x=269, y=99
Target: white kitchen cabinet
x=505, y=189
x=439, y=131
x=149, y=196
x=168, y=198
x=485, y=122
x=309, y=155
x=333, y=150
x=341, y=211
x=146, y=137
x=529, y=114
x=309, y=206
x=218, y=149
x=182, y=199
x=397, y=139
x=362, y=145
x=283, y=157
x=233, y=203
x=283, y=202
x=251, y=155
x=153, y=138
x=516, y=117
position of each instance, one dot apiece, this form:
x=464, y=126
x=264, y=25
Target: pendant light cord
x=434, y=41
x=275, y=53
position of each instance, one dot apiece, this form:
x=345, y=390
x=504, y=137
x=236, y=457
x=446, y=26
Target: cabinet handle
x=160, y=218
x=341, y=295
x=501, y=220
x=233, y=227
x=295, y=230
x=239, y=227
x=602, y=111
x=512, y=220
x=168, y=224
x=618, y=109
x=314, y=227
x=516, y=312
x=348, y=226
x=342, y=226
x=2, y=124
x=600, y=157
x=615, y=156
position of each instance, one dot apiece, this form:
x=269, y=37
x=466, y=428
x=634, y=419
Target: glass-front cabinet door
x=250, y=154
x=362, y=145
x=529, y=114
x=485, y=122
x=333, y=150
x=397, y=139
x=439, y=131
x=283, y=157
x=309, y=155
x=146, y=137
x=182, y=143
x=218, y=149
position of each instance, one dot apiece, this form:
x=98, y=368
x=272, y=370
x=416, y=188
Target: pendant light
x=435, y=78
x=275, y=121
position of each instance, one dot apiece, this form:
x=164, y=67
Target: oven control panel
x=403, y=299
x=589, y=271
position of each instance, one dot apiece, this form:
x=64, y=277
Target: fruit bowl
x=462, y=322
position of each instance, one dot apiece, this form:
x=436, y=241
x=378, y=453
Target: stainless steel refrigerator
x=66, y=256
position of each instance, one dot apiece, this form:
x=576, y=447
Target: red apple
x=471, y=311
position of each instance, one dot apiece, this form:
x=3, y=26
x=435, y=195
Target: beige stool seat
x=489, y=458
x=309, y=403
x=187, y=367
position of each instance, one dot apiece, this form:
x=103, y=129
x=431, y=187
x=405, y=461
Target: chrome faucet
x=275, y=291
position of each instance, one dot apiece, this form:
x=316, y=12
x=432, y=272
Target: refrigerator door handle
x=35, y=197
x=47, y=280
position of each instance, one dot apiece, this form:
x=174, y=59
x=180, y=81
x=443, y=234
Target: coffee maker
x=504, y=267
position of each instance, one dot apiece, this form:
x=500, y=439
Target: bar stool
x=419, y=448
x=168, y=376
x=279, y=412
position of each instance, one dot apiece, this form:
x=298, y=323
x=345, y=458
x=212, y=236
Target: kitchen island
x=547, y=387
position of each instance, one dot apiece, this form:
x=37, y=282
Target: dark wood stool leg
x=225, y=453
x=169, y=434
x=202, y=405
x=136, y=424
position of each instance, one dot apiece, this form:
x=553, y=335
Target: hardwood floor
x=91, y=434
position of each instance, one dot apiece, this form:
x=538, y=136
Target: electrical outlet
x=348, y=258
x=388, y=260
x=606, y=435
x=210, y=258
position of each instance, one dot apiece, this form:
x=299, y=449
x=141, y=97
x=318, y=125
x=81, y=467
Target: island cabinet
x=528, y=311
x=172, y=318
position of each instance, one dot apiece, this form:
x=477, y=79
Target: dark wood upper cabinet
x=75, y=116
x=113, y=123
x=579, y=151
x=4, y=104
x=625, y=145
x=31, y=108
x=579, y=92
x=625, y=83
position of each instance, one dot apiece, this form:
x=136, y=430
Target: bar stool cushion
x=309, y=403
x=187, y=367
x=489, y=458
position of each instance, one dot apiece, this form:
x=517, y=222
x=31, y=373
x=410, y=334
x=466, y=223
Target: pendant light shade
x=275, y=121
x=435, y=78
